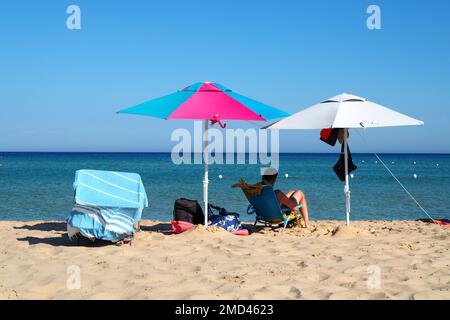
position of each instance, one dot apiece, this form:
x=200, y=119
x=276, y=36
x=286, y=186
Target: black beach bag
x=188, y=211
x=339, y=167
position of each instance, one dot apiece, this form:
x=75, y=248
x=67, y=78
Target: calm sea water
x=39, y=185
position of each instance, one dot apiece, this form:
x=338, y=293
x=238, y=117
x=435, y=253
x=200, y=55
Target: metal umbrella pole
x=205, y=179
x=347, y=184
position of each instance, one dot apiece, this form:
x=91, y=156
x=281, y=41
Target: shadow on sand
x=162, y=227
x=45, y=226
x=166, y=228
x=64, y=241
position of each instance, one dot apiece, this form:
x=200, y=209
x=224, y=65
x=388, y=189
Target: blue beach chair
x=264, y=204
x=108, y=205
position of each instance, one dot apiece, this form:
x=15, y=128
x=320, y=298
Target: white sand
x=326, y=261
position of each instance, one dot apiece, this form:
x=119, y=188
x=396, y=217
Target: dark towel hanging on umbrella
x=339, y=167
x=329, y=136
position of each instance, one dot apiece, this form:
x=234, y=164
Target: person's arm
x=285, y=201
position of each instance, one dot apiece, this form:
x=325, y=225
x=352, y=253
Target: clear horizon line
x=168, y=152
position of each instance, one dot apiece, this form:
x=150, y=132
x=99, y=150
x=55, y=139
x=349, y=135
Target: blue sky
x=60, y=88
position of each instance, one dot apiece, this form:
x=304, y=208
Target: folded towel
x=250, y=190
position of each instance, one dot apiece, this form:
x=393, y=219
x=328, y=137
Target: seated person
x=291, y=199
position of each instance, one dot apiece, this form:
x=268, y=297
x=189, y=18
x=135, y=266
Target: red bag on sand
x=442, y=222
x=182, y=226
x=243, y=232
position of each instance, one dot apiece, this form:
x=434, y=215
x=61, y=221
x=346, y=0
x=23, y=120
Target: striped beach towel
x=107, y=205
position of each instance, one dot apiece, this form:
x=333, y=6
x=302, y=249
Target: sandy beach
x=369, y=260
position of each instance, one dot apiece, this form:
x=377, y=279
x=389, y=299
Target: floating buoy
x=414, y=162
x=351, y=175
x=286, y=175
x=376, y=162
x=220, y=176
x=415, y=176
x=437, y=164
x=362, y=161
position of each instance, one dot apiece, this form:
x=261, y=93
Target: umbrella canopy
x=345, y=111
x=209, y=102
x=206, y=101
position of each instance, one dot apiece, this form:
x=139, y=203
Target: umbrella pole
x=205, y=179
x=347, y=184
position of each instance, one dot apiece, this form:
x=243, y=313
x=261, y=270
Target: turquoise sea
x=38, y=186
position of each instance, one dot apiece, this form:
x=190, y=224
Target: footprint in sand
x=9, y=295
x=348, y=285
x=295, y=292
x=197, y=269
x=103, y=264
x=432, y=294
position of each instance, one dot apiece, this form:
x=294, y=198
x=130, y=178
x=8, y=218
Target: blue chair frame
x=265, y=206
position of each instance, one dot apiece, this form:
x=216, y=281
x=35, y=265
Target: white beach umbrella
x=345, y=111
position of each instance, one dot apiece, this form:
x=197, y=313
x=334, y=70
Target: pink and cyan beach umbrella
x=209, y=102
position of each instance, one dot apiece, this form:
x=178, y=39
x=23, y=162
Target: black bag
x=339, y=167
x=188, y=211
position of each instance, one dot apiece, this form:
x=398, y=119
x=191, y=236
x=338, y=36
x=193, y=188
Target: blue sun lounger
x=108, y=205
x=265, y=206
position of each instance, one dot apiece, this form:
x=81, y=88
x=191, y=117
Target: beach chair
x=264, y=205
x=108, y=205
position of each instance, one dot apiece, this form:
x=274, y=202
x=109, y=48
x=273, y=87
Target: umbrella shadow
x=64, y=241
x=259, y=228
x=166, y=228
x=162, y=227
x=255, y=229
x=45, y=226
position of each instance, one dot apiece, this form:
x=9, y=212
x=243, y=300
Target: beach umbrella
x=345, y=111
x=210, y=102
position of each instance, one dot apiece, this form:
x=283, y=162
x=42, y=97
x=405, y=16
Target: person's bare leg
x=286, y=199
x=281, y=196
x=299, y=196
